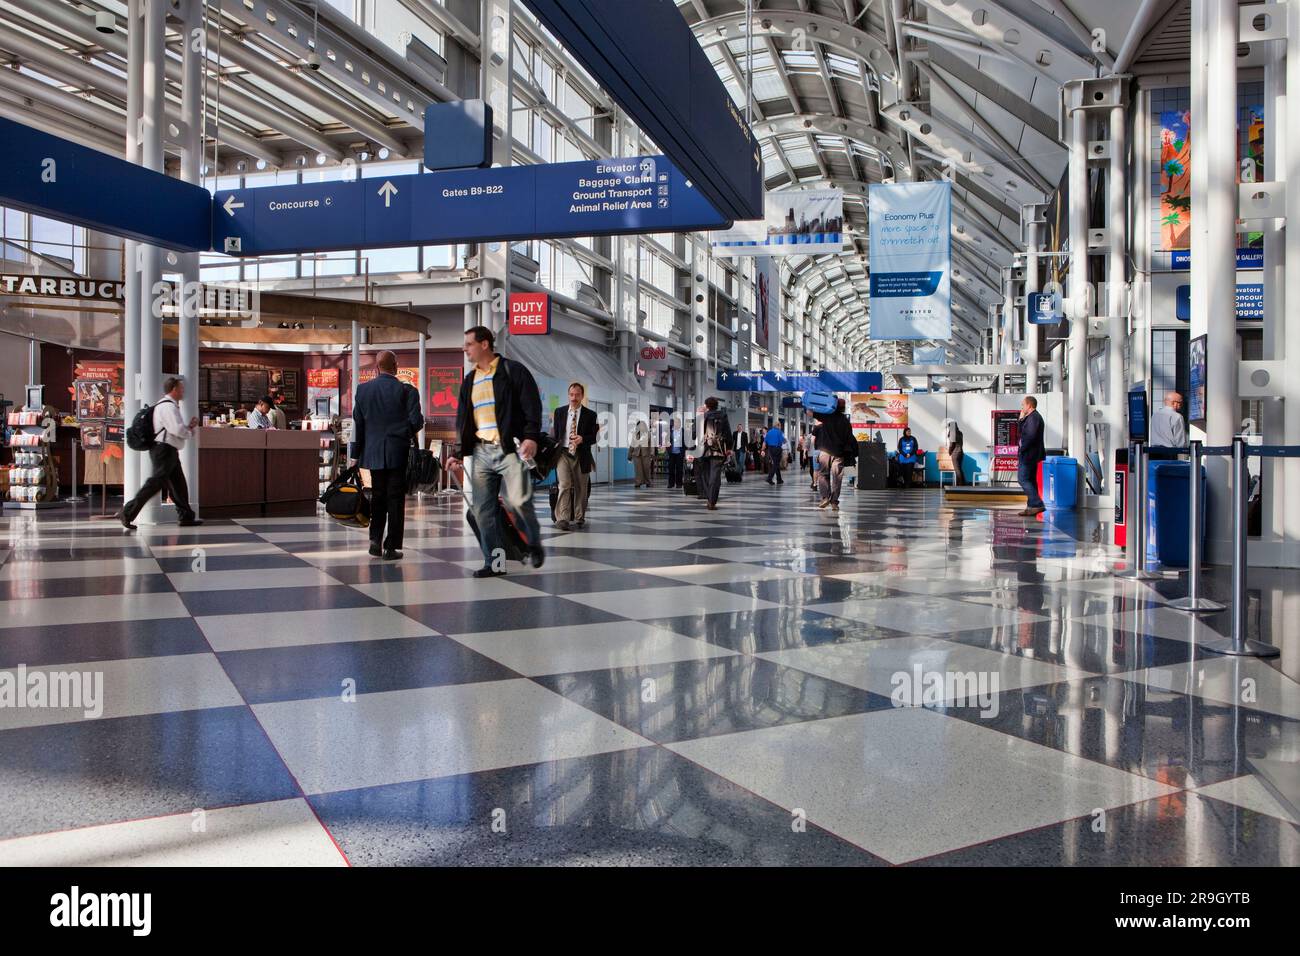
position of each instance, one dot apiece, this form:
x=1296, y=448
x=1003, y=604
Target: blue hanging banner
x=911, y=283
x=1044, y=308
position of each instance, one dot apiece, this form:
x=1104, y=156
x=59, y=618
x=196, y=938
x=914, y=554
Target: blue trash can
x=1167, y=505
x=1060, y=483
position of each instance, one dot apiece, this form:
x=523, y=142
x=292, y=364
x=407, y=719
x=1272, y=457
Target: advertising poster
x=444, y=395
x=1196, y=394
x=796, y=222
x=1176, y=178
x=911, y=284
x=869, y=413
x=323, y=383
x=1006, y=440
x=767, y=304
x=92, y=398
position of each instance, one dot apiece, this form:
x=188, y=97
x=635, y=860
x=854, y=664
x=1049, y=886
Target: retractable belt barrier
x=1237, y=645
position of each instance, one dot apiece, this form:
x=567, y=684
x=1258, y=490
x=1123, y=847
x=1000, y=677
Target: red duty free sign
x=530, y=313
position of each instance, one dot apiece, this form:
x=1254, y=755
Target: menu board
x=285, y=381
x=203, y=385
x=223, y=386
x=252, y=384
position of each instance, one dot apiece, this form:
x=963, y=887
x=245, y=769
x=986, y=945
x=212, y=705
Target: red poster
x=323, y=378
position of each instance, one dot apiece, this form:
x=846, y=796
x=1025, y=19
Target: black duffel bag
x=422, y=468
x=347, y=500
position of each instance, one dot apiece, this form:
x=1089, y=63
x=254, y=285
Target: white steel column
x=1214, y=216
x=131, y=462
x=1080, y=292
x=1287, y=341
x=194, y=40
x=496, y=85
x=154, y=89
x=1117, y=306
x=354, y=368
x=1031, y=286
x=423, y=372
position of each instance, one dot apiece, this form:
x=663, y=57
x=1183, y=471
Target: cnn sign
x=653, y=356
x=530, y=313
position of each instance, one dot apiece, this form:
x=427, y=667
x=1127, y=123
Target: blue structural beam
x=742, y=381
x=644, y=54
x=48, y=176
x=602, y=197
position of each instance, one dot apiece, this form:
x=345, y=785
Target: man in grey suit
x=385, y=418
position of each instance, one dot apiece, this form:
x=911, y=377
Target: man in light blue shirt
x=259, y=417
x=676, y=452
x=775, y=442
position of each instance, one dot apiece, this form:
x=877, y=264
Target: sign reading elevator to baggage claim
x=911, y=234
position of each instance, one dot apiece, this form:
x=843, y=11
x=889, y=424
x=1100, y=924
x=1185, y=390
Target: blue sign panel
x=1250, y=302
x=646, y=56
x=603, y=197
x=458, y=135
x=1044, y=308
x=911, y=226
x=49, y=176
x=1181, y=259
x=1137, y=414
x=740, y=381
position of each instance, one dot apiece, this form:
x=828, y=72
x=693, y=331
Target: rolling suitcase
x=689, y=484
x=513, y=543
x=732, y=473
x=555, y=495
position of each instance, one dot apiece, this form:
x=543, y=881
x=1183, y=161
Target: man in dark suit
x=574, y=431
x=740, y=442
x=386, y=416
x=1031, y=453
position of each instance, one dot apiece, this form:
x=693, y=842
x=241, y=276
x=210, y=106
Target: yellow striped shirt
x=485, y=403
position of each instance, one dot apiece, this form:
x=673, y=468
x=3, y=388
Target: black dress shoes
x=376, y=550
x=488, y=573
x=126, y=522
x=391, y=554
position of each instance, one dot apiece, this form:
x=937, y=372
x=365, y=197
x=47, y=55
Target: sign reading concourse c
x=594, y=198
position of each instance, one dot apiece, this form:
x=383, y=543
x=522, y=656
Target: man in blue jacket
x=386, y=416
x=774, y=440
x=1031, y=453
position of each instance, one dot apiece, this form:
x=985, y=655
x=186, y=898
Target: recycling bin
x=1060, y=483
x=1167, y=506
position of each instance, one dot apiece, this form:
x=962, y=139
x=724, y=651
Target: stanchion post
x=1195, y=524
x=1139, y=570
x=1238, y=645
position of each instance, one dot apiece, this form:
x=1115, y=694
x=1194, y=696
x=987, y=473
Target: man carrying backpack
x=168, y=434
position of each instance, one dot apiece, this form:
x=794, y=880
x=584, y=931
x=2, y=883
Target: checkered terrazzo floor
x=674, y=686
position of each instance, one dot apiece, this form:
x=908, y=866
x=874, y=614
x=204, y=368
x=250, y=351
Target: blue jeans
x=497, y=473
x=1027, y=475
x=740, y=461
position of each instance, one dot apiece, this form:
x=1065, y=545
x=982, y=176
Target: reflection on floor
x=765, y=684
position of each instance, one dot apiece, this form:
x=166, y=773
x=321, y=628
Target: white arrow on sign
x=388, y=191
x=230, y=205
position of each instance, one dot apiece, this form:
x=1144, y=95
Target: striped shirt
x=485, y=403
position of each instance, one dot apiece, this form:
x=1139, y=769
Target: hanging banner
x=796, y=222
x=767, y=304
x=868, y=413
x=911, y=232
x=934, y=356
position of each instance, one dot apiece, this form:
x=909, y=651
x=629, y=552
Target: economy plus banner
x=797, y=222
x=911, y=283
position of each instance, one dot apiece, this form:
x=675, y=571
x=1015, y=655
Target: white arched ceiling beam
x=859, y=132
x=798, y=27
x=956, y=146
x=1007, y=32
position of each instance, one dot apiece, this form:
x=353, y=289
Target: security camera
x=105, y=22
x=313, y=61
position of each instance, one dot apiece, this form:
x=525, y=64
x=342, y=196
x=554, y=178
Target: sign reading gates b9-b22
x=601, y=197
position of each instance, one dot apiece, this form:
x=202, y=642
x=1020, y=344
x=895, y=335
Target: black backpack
x=346, y=500
x=142, y=436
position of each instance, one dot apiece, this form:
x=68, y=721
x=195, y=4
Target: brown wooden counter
x=242, y=471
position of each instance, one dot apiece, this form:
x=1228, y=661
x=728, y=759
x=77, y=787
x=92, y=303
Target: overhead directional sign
x=601, y=197
x=50, y=176
x=644, y=53
x=741, y=381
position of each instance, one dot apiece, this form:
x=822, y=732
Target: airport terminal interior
x=649, y=433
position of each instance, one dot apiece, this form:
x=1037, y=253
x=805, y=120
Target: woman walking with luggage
x=715, y=451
